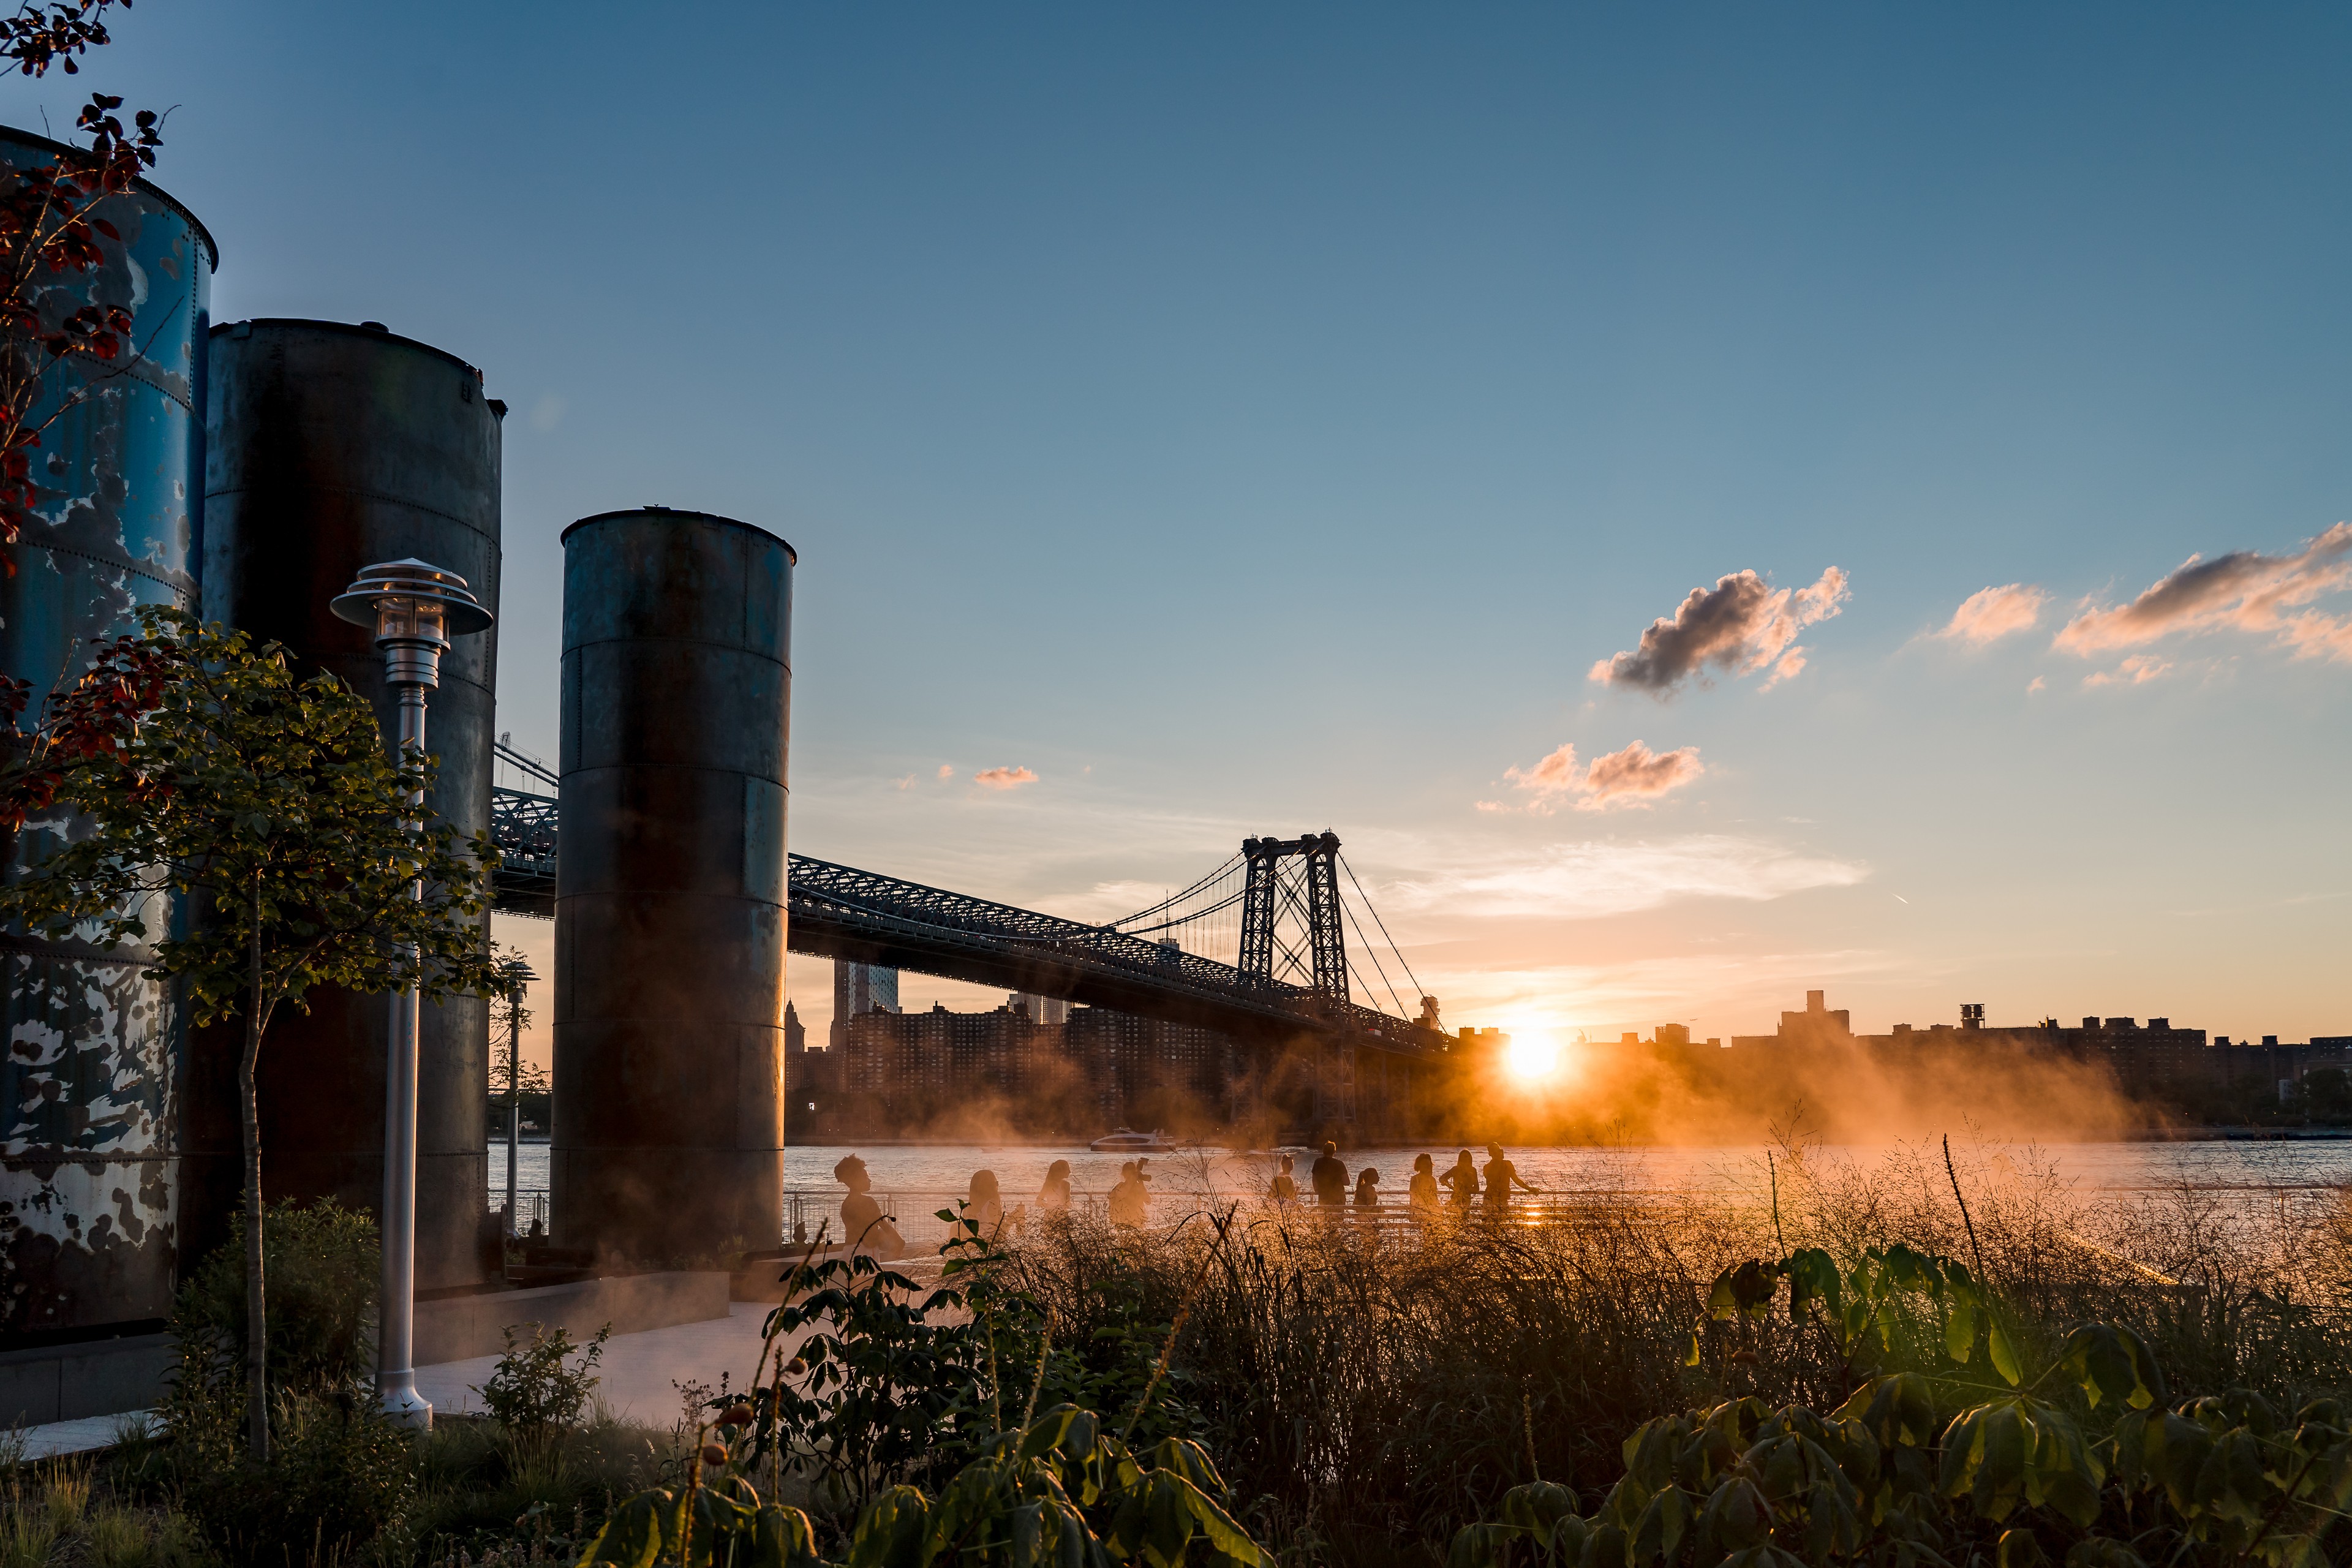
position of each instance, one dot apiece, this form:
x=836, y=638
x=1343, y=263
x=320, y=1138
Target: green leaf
x=1960, y=1330
x=1483, y=1545
x=632, y=1538
x=1737, y=1515
x=1812, y=1277
x=2004, y=1354
x=891, y=1529
x=2019, y=1549
x=2098, y=1552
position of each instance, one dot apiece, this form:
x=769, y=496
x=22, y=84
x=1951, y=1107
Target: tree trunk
x=257, y=1318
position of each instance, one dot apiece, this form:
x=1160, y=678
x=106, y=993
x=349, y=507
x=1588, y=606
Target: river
x=916, y=1178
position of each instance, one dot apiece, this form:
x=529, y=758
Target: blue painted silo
x=89, y=1148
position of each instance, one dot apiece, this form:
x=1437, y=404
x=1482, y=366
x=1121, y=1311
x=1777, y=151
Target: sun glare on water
x=1532, y=1058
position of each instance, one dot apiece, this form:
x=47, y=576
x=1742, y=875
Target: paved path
x=79, y=1436
x=640, y=1372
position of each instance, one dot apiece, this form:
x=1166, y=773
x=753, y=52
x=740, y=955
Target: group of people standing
x=1328, y=1177
x=868, y=1230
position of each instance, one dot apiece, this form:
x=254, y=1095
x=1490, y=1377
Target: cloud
x=1003, y=778
x=1584, y=881
x=1556, y=774
x=1635, y=775
x=2137, y=671
x=2035, y=685
x=2242, y=591
x=1989, y=614
x=907, y=783
x=1739, y=627
x=946, y=773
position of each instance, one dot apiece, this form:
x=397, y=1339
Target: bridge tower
x=1293, y=931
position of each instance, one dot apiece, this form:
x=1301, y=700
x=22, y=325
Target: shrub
x=535, y=1388
x=339, y=1470
x=322, y=1263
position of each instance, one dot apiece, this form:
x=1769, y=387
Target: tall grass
x=1369, y=1392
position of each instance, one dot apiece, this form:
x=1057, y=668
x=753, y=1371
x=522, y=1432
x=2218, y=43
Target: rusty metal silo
x=88, y=1117
x=669, y=902
x=332, y=446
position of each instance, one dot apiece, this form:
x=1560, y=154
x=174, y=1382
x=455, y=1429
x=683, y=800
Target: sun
x=1532, y=1057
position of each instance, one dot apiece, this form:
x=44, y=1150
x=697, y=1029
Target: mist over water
x=2254, y=1168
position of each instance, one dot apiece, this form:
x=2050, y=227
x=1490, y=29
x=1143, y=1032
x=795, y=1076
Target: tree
x=49, y=229
x=188, y=763
x=510, y=1074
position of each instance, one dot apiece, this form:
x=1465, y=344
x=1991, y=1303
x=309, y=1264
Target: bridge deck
x=840, y=911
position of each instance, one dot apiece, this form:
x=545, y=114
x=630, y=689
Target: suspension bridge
x=1258, y=949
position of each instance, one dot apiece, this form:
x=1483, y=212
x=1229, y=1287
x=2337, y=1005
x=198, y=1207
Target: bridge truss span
x=839, y=912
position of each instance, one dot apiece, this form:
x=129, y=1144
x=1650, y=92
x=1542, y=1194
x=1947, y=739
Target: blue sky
x=1254, y=419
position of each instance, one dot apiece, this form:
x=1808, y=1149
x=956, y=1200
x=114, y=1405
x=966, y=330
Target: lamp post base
x=395, y=1393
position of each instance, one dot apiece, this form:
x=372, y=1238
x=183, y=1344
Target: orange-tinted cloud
x=1638, y=775
x=2137, y=671
x=2242, y=591
x=1633, y=777
x=1991, y=614
x=1739, y=627
x=1003, y=778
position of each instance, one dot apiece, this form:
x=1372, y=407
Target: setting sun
x=1532, y=1057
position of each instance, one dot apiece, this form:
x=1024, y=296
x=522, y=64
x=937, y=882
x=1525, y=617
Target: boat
x=1127, y=1141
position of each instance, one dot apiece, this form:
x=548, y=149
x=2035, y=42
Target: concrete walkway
x=640, y=1372
x=638, y=1376
x=82, y=1436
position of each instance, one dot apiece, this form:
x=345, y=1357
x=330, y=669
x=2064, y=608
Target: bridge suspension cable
x=1393, y=947
x=1207, y=917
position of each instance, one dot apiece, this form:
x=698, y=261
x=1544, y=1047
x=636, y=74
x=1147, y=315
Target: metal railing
x=914, y=1212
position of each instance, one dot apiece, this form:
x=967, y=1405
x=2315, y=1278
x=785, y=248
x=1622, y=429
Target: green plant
x=27, y=1529
x=339, y=1473
x=883, y=1386
x=534, y=1388
x=321, y=1259
x=1892, y=1302
x=202, y=767
x=1059, y=1491
x=118, y=1537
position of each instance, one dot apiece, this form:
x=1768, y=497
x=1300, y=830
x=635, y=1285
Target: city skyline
x=1706, y=507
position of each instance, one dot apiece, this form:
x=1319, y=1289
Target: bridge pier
x=670, y=890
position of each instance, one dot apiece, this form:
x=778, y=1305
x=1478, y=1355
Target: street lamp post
x=519, y=977
x=413, y=609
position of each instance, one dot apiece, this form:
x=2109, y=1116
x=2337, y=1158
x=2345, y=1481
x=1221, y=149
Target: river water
x=916, y=1178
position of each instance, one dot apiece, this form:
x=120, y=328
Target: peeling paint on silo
x=90, y=1041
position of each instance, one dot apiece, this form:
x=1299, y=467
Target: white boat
x=1127, y=1141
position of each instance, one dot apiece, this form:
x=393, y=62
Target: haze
x=1220, y=421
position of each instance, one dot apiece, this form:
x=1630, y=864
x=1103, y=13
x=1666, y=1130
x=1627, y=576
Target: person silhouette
x=1331, y=1177
x=1461, y=1180
x=1501, y=1176
x=1368, y=1194
x=1285, y=1190
x=1128, y=1200
x=1421, y=1194
x=983, y=1205
x=867, y=1229
x=1053, y=1197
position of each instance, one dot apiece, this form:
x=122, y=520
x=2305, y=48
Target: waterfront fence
x=915, y=1213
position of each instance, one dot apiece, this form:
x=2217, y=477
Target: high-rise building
x=860, y=988
x=1039, y=1009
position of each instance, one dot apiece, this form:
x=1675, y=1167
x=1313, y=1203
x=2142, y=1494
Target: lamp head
x=414, y=608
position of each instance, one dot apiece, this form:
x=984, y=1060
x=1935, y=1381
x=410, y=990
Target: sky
x=1253, y=420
